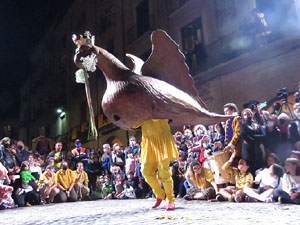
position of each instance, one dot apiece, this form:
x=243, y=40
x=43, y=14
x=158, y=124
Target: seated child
x=35, y=169
x=98, y=193
x=107, y=188
x=28, y=181
x=289, y=193
x=272, y=158
x=118, y=182
x=242, y=178
x=268, y=180
x=201, y=183
x=131, y=187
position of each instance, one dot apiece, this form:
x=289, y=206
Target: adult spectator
x=79, y=155
x=232, y=129
x=48, y=185
x=5, y=156
x=65, y=183
x=58, y=155
x=133, y=146
x=285, y=146
x=117, y=157
x=22, y=154
x=199, y=132
x=294, y=127
x=81, y=182
x=272, y=135
x=106, y=158
x=95, y=170
x=252, y=136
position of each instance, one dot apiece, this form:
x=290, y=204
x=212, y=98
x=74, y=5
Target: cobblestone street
x=140, y=212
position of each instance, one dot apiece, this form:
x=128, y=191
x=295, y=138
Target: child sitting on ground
x=35, y=169
x=107, y=188
x=28, y=181
x=118, y=182
x=290, y=190
x=131, y=186
x=243, y=178
x=268, y=180
x=98, y=193
x=201, y=183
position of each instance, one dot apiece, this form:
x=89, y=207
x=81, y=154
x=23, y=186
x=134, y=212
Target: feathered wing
x=167, y=63
x=169, y=102
x=137, y=63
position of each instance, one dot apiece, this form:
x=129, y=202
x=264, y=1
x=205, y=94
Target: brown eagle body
x=165, y=90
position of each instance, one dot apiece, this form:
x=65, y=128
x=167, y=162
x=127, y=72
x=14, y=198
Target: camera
x=251, y=105
x=282, y=94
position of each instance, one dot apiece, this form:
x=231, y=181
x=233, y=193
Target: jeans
x=286, y=197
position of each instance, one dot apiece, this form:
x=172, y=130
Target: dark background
x=22, y=25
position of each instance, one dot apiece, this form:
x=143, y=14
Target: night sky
x=22, y=25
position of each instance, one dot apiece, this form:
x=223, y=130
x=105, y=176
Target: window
x=193, y=45
x=142, y=17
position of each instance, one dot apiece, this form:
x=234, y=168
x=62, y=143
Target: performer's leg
x=165, y=176
x=148, y=171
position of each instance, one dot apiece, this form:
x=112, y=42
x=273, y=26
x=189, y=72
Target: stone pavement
x=139, y=212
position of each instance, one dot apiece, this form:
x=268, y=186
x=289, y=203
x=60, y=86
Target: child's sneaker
x=220, y=198
x=238, y=199
x=282, y=200
x=250, y=199
x=269, y=200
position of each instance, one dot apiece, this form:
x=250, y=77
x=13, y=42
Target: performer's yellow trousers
x=164, y=175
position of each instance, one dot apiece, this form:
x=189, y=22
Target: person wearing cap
x=79, y=155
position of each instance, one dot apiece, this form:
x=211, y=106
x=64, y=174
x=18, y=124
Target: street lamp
x=62, y=115
x=59, y=110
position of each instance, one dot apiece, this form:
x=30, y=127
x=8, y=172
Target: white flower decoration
x=89, y=62
x=80, y=76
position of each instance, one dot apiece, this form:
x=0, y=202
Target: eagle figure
x=160, y=88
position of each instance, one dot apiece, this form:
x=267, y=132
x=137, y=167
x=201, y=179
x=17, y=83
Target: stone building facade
x=235, y=54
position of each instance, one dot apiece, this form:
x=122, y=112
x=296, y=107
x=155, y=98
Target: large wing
x=167, y=63
x=137, y=63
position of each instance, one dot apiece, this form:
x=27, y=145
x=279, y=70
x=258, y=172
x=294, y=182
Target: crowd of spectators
x=254, y=156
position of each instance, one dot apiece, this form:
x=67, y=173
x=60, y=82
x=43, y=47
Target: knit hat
x=5, y=139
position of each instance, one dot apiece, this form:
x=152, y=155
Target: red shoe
x=170, y=206
x=157, y=203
